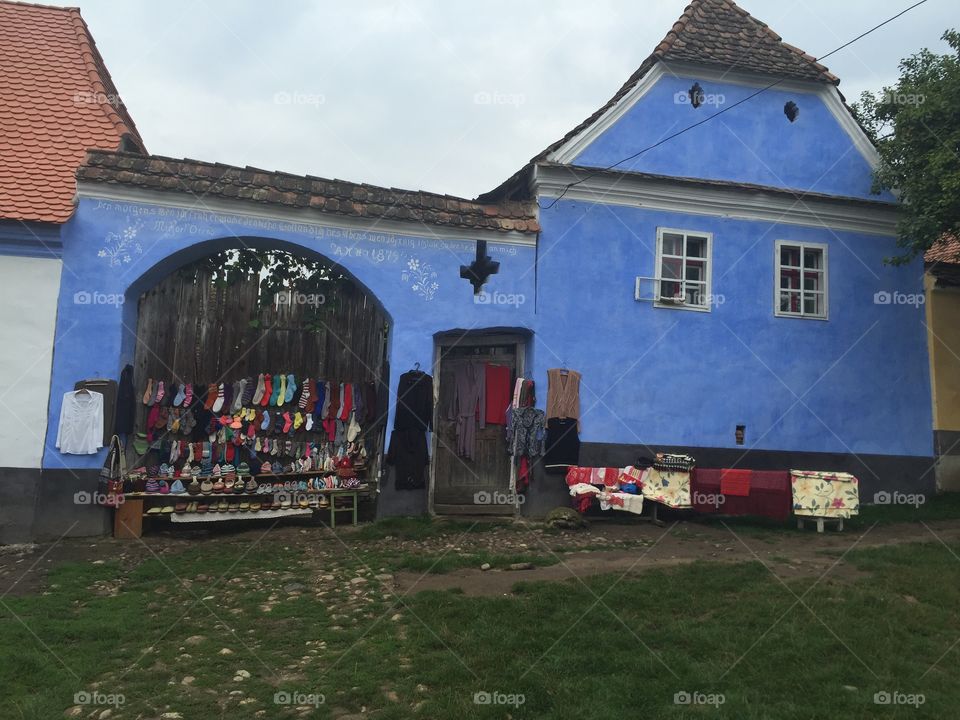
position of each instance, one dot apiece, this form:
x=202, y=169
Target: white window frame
x=822, y=247
x=658, y=278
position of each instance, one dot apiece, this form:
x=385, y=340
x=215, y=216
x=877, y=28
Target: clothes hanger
x=83, y=391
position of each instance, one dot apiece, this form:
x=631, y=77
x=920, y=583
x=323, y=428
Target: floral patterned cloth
x=825, y=494
x=670, y=488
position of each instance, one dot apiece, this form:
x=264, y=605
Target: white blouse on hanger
x=81, y=423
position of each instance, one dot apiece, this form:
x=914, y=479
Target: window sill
x=821, y=318
x=681, y=306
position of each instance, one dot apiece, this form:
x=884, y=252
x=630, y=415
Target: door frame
x=519, y=339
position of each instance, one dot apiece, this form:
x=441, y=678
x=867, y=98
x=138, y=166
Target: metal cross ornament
x=480, y=269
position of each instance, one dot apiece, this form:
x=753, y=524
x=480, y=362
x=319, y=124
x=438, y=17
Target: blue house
x=704, y=249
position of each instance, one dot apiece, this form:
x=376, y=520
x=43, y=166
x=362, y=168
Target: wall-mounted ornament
x=480, y=270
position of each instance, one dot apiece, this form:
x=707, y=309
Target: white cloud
x=398, y=80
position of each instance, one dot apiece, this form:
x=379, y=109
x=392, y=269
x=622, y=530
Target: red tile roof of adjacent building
x=946, y=250
x=56, y=101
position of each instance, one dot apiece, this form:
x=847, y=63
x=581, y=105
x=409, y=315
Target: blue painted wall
x=113, y=250
x=857, y=383
x=750, y=143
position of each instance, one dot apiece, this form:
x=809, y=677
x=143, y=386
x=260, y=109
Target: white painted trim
x=825, y=249
x=720, y=201
x=828, y=93
x=657, y=302
x=300, y=216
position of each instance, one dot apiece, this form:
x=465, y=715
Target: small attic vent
x=696, y=95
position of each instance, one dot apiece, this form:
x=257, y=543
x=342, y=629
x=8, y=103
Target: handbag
x=110, y=484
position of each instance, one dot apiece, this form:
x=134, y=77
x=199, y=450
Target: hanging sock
x=290, y=388
x=277, y=390
x=309, y=423
x=239, y=389
x=258, y=394
x=247, y=394
x=188, y=395
x=218, y=403
x=267, y=390
x=181, y=395
x=160, y=392
x=148, y=399
x=304, y=394
x=211, y=397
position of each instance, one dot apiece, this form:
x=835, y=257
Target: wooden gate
x=194, y=328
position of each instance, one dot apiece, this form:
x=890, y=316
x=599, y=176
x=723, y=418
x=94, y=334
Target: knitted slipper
x=188, y=394
x=161, y=393
x=218, y=403
x=290, y=388
x=180, y=396
x=148, y=395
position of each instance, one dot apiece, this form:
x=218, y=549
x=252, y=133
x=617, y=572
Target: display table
x=128, y=516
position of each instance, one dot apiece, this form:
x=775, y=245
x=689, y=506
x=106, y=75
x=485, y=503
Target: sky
x=451, y=97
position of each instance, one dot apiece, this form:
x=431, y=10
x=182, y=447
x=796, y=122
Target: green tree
x=916, y=128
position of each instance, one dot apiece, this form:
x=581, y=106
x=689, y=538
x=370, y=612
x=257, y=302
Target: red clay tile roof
x=947, y=250
x=56, y=101
x=718, y=33
x=203, y=179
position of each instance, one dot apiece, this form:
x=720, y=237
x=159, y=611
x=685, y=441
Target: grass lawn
x=308, y=620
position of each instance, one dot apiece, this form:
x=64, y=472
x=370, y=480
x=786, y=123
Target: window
x=801, y=280
x=683, y=269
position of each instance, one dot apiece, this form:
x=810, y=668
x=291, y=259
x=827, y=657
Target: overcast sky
x=424, y=94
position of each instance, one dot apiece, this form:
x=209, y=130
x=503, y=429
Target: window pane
x=790, y=302
x=813, y=258
x=696, y=270
x=669, y=290
x=813, y=305
x=695, y=293
x=811, y=281
x=789, y=279
x=672, y=244
x=671, y=268
x=696, y=247
x=790, y=255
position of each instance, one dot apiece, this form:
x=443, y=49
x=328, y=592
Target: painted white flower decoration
x=120, y=245
x=422, y=277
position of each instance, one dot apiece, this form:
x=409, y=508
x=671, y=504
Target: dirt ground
x=603, y=548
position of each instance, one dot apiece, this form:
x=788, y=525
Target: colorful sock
x=218, y=403
x=290, y=388
x=258, y=395
x=267, y=390
x=188, y=394
x=211, y=397
x=238, y=390
x=160, y=392
x=247, y=395
x=281, y=396
x=148, y=395
x=266, y=421
x=181, y=396
x=304, y=394
x=275, y=395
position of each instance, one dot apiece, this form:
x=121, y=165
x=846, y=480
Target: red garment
x=578, y=475
x=735, y=482
x=334, y=401
x=330, y=425
x=347, y=404
x=523, y=474
x=770, y=494
x=498, y=394
x=582, y=503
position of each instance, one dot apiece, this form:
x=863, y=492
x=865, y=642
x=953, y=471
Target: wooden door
x=480, y=485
